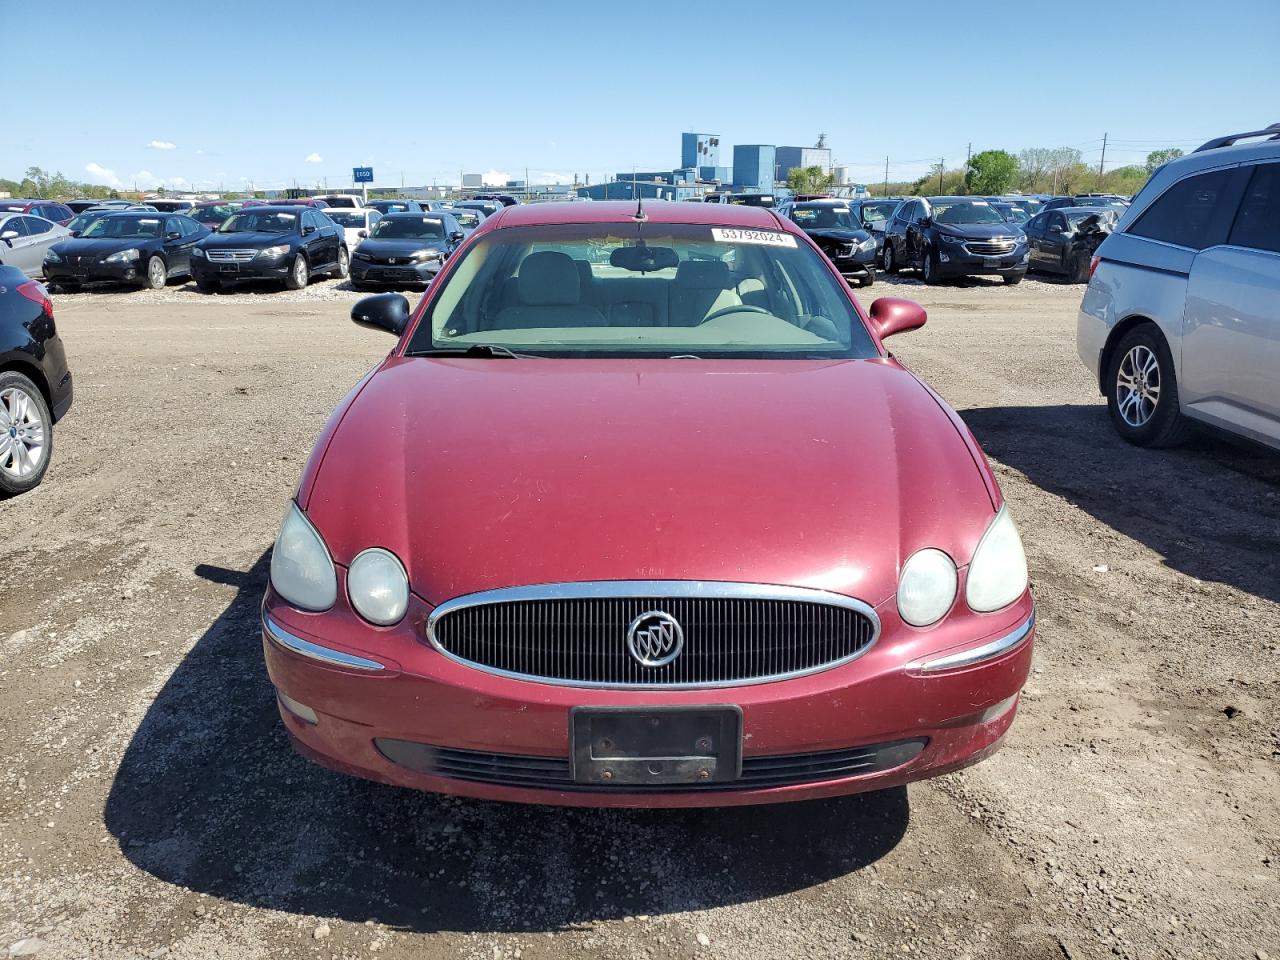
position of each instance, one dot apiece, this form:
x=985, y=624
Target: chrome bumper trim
x=987, y=651
x=313, y=651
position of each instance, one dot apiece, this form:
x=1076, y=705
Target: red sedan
x=640, y=512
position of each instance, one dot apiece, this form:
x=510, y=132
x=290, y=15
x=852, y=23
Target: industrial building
x=793, y=158
x=754, y=165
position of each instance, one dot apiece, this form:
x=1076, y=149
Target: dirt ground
x=150, y=805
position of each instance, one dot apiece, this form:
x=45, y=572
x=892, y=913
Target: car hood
x=101, y=246
x=840, y=234
x=232, y=241
x=979, y=231
x=398, y=248
x=486, y=473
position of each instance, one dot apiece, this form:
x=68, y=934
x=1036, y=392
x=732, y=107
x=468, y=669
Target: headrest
x=548, y=278
x=703, y=275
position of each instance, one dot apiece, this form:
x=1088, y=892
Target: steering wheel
x=737, y=308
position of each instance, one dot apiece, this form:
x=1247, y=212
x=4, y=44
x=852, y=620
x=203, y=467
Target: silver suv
x=1181, y=319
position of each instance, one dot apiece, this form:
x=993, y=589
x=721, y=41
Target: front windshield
x=408, y=228
x=82, y=221
x=346, y=218
x=823, y=218
x=668, y=290
x=878, y=212
x=393, y=207
x=260, y=221
x=213, y=214
x=964, y=211
x=1076, y=215
x=123, y=228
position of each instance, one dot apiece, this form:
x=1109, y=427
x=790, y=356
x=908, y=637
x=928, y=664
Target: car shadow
x=1210, y=508
x=210, y=797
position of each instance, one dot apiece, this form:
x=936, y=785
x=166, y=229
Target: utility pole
x=968, y=155
x=942, y=165
x=886, y=176
x=1104, y=158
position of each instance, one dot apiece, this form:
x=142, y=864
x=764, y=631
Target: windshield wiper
x=475, y=350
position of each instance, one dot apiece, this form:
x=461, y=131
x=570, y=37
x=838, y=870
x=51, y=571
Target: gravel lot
x=150, y=805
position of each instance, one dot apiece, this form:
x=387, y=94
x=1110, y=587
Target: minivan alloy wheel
x=22, y=434
x=1138, y=385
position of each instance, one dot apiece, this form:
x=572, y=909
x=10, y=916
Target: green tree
x=1158, y=158
x=991, y=171
x=809, y=180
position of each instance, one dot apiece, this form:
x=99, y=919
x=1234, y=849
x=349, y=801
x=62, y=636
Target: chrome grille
x=577, y=633
x=230, y=256
x=991, y=248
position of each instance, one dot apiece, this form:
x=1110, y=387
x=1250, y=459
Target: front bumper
x=388, y=707
x=97, y=271
x=277, y=268
x=957, y=261
x=366, y=271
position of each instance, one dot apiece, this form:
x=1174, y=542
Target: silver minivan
x=1180, y=322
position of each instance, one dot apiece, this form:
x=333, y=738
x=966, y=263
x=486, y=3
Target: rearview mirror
x=890, y=315
x=385, y=311
x=643, y=259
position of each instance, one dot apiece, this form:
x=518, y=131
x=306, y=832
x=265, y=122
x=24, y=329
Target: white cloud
x=551, y=176
x=314, y=158
x=100, y=174
x=495, y=178
x=162, y=145
x=199, y=151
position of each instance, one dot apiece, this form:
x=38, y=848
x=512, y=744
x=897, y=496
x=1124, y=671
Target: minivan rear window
x=1185, y=213
x=1258, y=221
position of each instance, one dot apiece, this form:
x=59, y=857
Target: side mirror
x=173, y=235
x=456, y=236
x=1055, y=228
x=385, y=311
x=8, y=236
x=363, y=234
x=308, y=230
x=924, y=221
x=890, y=315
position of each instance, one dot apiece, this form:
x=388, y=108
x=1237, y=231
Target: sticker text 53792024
x=765, y=238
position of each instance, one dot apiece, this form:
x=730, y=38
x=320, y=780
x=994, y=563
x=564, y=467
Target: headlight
x=948, y=238
x=197, y=251
x=362, y=256
x=998, y=571
x=124, y=256
x=927, y=587
x=424, y=255
x=867, y=244
x=301, y=569
x=52, y=256
x=269, y=253
x=378, y=587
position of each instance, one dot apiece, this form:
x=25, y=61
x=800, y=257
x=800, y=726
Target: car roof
x=822, y=202
x=623, y=211
x=415, y=214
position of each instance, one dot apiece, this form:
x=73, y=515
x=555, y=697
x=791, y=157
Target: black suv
x=288, y=243
x=843, y=239
x=947, y=237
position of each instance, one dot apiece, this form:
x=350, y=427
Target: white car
x=346, y=201
x=356, y=224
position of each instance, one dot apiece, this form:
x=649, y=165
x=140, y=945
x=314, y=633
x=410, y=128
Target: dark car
x=947, y=237
x=35, y=384
x=214, y=213
x=843, y=239
x=1063, y=241
x=172, y=206
x=874, y=215
x=395, y=206
x=59, y=213
x=1012, y=212
x=80, y=206
x=487, y=207
x=467, y=217
x=145, y=249
x=751, y=199
x=503, y=198
x=1115, y=203
x=405, y=248
x=287, y=243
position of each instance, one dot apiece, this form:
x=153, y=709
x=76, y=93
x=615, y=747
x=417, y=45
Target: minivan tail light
x=1093, y=265
x=37, y=294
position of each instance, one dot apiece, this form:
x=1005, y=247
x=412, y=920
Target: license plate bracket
x=229, y=268
x=991, y=263
x=637, y=746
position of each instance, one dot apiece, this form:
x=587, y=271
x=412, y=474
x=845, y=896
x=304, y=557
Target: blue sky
x=429, y=90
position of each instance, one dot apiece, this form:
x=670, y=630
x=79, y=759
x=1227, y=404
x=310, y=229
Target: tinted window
x=1184, y=214
x=35, y=225
x=1036, y=223
x=15, y=224
x=173, y=225
x=1258, y=222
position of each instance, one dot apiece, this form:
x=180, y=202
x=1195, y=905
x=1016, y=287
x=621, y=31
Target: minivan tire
x=1143, y=353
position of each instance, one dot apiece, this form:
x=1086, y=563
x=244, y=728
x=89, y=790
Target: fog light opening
x=299, y=710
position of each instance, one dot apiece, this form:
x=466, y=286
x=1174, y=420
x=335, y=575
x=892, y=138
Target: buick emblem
x=655, y=638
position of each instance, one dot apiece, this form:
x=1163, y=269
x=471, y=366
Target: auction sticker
x=765, y=238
